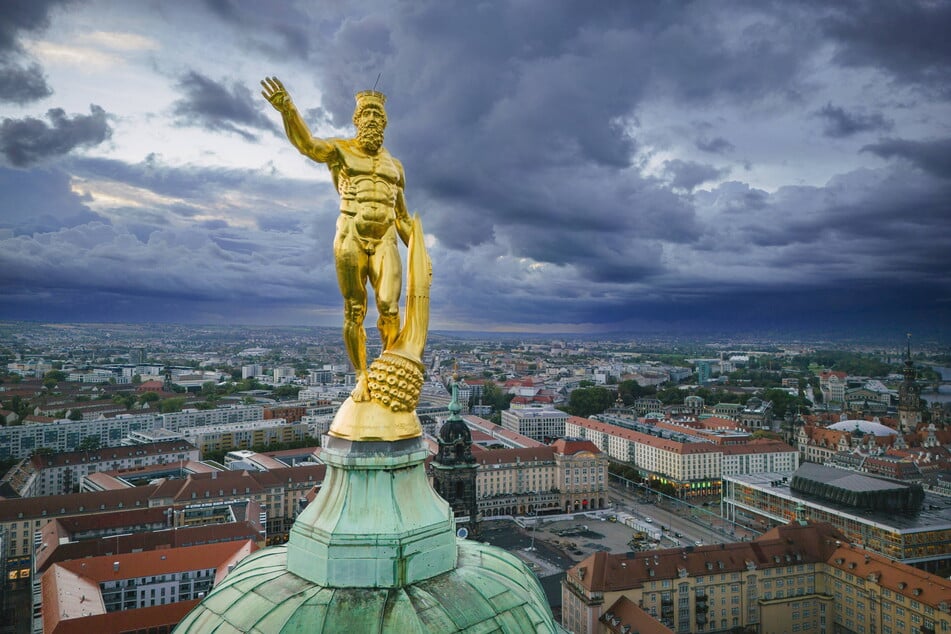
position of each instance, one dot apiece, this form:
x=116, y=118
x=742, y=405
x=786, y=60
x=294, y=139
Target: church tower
x=909, y=396
x=454, y=467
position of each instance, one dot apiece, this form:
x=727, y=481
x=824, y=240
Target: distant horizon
x=892, y=339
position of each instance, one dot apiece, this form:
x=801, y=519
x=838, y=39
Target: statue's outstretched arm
x=294, y=126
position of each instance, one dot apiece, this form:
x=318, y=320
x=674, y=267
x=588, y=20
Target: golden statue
x=372, y=213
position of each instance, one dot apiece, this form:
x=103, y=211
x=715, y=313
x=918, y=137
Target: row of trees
x=589, y=400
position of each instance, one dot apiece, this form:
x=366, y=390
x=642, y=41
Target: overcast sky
x=578, y=167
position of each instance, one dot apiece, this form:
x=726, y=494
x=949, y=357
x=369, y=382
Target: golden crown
x=370, y=96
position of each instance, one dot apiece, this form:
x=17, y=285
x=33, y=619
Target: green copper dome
x=489, y=590
x=375, y=552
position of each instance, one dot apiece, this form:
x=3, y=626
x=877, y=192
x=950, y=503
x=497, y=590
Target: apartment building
x=21, y=441
x=800, y=577
x=897, y=520
x=66, y=435
x=569, y=475
x=278, y=492
x=140, y=529
x=59, y=473
x=228, y=436
x=539, y=423
x=145, y=591
x=690, y=463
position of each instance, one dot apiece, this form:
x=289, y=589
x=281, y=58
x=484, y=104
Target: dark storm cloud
x=214, y=106
x=40, y=200
x=520, y=140
x=689, y=174
x=278, y=31
x=544, y=194
x=156, y=176
x=841, y=123
x=22, y=83
x=28, y=141
x=524, y=124
x=23, y=15
x=906, y=38
x=879, y=225
x=716, y=145
x=21, y=78
x=933, y=156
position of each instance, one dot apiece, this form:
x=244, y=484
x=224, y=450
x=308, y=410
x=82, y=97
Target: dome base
x=489, y=590
x=376, y=522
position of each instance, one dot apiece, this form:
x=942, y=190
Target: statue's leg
x=386, y=276
x=352, y=267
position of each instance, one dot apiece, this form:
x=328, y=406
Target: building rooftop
x=935, y=512
x=864, y=426
x=71, y=590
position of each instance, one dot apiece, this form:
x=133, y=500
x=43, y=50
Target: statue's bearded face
x=370, y=121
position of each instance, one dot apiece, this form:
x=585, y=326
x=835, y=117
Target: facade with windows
x=801, y=577
x=21, y=441
x=567, y=476
x=230, y=436
x=692, y=466
x=921, y=539
x=54, y=474
x=538, y=423
x=141, y=591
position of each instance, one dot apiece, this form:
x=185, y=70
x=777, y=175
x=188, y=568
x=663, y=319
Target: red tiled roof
x=112, y=453
x=646, y=439
x=605, y=572
x=759, y=445
x=71, y=589
x=142, y=619
x=570, y=447
x=933, y=589
x=508, y=456
x=94, y=502
x=161, y=562
x=52, y=551
x=625, y=612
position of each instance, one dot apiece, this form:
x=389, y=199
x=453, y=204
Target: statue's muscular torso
x=368, y=187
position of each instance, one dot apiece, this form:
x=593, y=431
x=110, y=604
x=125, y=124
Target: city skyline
x=633, y=168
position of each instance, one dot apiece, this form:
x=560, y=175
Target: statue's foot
x=361, y=392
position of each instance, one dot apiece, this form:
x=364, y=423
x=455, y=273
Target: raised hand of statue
x=275, y=93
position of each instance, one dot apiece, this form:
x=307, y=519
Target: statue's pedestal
x=376, y=522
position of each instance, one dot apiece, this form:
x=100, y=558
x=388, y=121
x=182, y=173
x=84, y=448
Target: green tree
x=128, y=400
x=75, y=414
x=56, y=375
x=784, y=402
x=287, y=391
x=587, y=401
x=671, y=395
x=149, y=397
x=136, y=379
x=19, y=406
x=631, y=390
x=170, y=405
x=208, y=388
x=493, y=395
